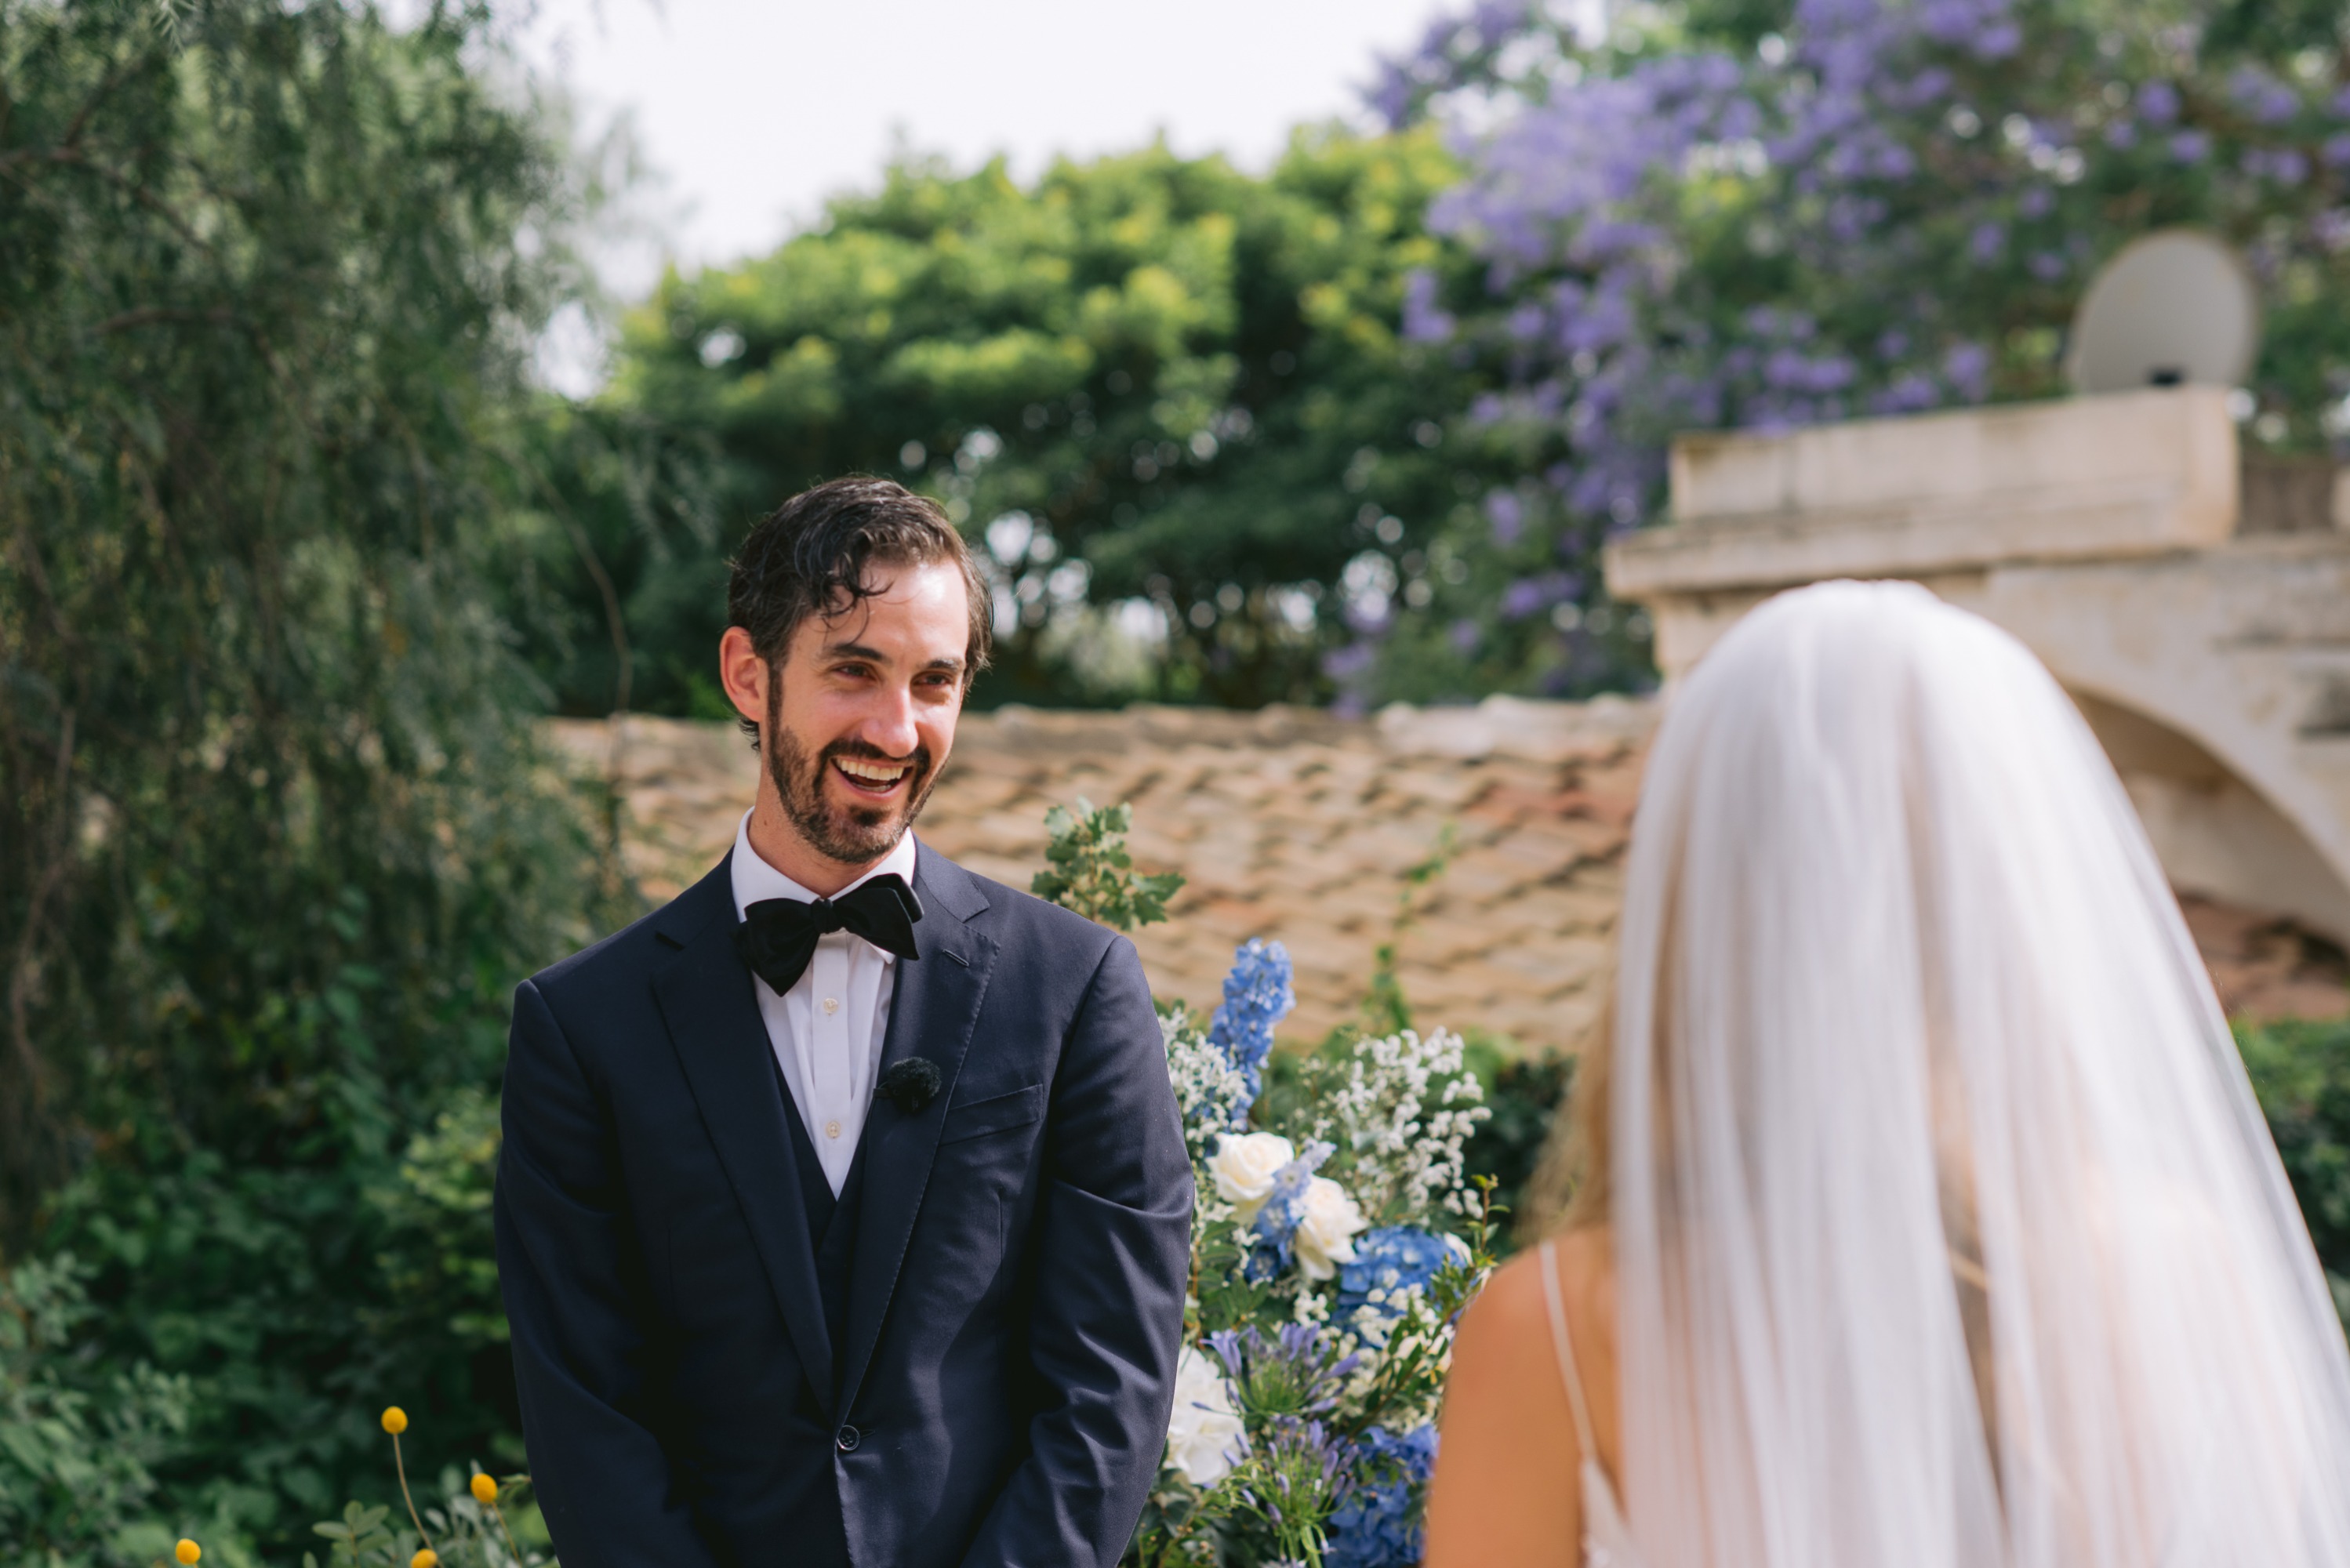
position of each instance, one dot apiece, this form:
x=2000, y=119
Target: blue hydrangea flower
x=1257, y=996
x=1391, y=1259
x=1377, y=1523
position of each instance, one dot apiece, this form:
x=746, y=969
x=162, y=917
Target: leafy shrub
x=1526, y=1094
x=2301, y=1070
x=277, y=838
x=79, y=1437
x=1088, y=869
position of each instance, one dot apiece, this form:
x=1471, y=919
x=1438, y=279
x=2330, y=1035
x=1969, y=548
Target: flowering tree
x=1776, y=213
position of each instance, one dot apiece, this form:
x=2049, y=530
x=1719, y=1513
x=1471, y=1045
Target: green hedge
x=2301, y=1070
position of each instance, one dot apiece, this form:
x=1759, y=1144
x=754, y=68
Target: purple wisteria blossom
x=1874, y=213
x=2264, y=100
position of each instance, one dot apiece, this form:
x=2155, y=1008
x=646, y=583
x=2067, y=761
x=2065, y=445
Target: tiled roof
x=1294, y=824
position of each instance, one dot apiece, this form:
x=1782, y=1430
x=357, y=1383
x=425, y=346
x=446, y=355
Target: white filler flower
x=1245, y=1166
x=1203, y=1434
x=1325, y=1229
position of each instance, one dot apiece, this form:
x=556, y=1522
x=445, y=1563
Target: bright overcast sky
x=753, y=111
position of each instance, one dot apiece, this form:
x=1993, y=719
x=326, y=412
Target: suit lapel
x=712, y=1012
x=932, y=1010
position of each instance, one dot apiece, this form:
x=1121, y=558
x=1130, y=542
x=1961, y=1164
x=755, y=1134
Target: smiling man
x=843, y=1214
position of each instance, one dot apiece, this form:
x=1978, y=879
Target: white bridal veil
x=1948, y=1232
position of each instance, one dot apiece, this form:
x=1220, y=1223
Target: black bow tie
x=778, y=935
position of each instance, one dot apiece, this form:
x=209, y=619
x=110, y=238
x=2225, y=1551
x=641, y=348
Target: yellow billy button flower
x=485, y=1491
x=187, y=1552
x=395, y=1421
x=425, y=1558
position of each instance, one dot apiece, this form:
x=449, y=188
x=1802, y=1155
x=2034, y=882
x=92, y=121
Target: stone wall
x=1296, y=825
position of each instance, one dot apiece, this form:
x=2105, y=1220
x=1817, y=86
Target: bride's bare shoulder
x=1510, y=1316
x=1514, y=1300
x=1508, y=1434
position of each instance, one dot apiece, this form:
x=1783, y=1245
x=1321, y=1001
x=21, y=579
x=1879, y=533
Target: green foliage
x=464, y=1533
x=1385, y=1009
x=1088, y=869
x=1527, y=1095
x=276, y=836
x=2301, y=1070
x=78, y=1438
x=1142, y=379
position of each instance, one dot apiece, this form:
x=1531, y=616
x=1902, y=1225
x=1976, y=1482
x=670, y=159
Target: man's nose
x=889, y=723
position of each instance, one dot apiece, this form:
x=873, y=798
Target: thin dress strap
x=1566, y=1348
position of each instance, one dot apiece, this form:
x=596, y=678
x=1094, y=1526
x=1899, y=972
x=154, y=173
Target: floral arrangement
x=1335, y=1240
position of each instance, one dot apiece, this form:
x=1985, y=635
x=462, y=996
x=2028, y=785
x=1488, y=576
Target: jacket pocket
x=997, y=1113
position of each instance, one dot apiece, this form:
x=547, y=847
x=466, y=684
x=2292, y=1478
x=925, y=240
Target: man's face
x=860, y=714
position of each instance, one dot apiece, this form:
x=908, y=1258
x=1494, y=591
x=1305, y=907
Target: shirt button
x=832, y=1004
x=832, y=1129
x=847, y=1440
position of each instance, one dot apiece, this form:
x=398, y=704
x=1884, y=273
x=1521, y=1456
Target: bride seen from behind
x=1925, y=1214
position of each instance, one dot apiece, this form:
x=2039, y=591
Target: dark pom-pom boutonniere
x=909, y=1085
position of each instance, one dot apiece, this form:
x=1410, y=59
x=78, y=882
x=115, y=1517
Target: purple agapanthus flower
x=1297, y=1372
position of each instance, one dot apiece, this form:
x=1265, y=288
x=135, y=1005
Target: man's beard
x=853, y=835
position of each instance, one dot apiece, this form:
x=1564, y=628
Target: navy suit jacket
x=1002, y=1388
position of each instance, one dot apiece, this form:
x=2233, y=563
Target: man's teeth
x=869, y=773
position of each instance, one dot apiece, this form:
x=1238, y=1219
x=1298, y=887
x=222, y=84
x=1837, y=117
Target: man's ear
x=743, y=675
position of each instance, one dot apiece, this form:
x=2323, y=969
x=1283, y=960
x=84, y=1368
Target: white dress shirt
x=827, y=1030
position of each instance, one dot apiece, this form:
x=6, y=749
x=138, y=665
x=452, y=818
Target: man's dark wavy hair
x=811, y=555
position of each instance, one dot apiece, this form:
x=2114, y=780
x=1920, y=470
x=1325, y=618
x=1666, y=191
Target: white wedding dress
x=1947, y=1231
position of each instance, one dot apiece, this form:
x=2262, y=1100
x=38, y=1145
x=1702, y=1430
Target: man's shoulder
x=1017, y=916
x=628, y=954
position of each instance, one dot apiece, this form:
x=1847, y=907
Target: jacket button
x=846, y=1439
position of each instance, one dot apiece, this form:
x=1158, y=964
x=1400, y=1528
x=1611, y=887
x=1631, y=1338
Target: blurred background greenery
x=297, y=551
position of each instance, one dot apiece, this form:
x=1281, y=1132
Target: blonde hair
x=1569, y=1187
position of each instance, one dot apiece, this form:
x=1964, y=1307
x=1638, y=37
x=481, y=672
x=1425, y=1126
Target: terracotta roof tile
x=1297, y=826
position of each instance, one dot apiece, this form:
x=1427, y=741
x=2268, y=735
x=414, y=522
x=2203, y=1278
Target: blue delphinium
x=1390, y=1259
x=1377, y=1523
x=1277, y=1221
x=1257, y=996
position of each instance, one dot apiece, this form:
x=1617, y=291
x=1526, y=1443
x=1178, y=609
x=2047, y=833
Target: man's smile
x=870, y=779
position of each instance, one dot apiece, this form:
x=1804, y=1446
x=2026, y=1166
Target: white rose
x=1203, y=1432
x=1325, y=1229
x=1244, y=1167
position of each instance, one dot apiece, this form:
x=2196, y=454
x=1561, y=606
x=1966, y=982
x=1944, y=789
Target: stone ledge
x=2132, y=475
x=2178, y=437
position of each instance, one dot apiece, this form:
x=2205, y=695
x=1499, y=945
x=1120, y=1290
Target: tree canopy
x=1170, y=399
x=275, y=836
